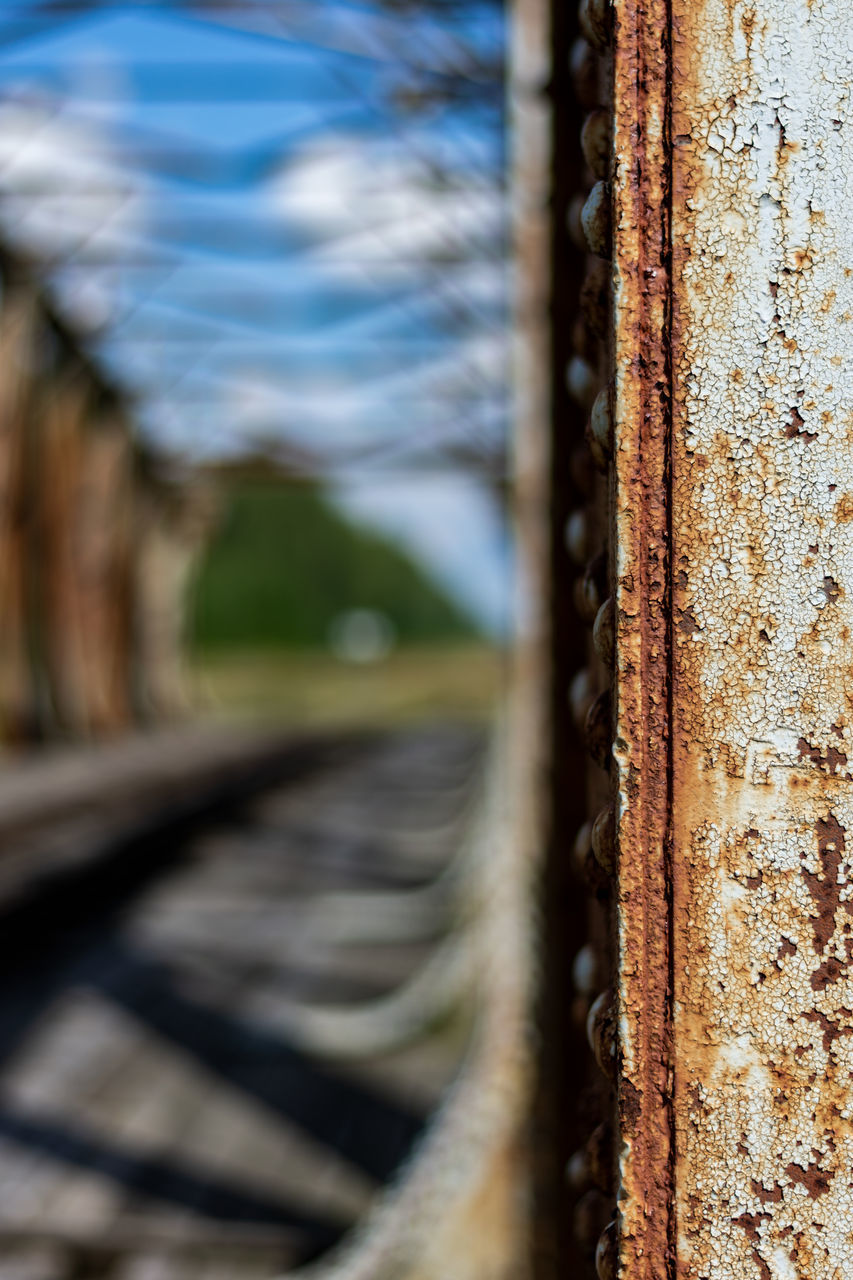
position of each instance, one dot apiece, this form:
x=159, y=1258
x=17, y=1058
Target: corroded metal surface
x=763, y=560
x=641, y=288
x=758, y=885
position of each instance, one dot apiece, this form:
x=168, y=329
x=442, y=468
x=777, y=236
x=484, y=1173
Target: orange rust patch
x=843, y=513
x=642, y=265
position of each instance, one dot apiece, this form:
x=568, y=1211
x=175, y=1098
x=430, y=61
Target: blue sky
x=261, y=246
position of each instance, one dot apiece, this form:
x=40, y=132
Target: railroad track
x=187, y=938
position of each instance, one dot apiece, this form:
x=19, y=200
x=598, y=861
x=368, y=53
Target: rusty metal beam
x=642, y=441
x=733, y=511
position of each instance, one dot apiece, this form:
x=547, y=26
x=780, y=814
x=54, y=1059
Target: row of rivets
x=590, y=1171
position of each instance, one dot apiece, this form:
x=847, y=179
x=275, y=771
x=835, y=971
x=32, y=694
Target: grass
x=307, y=689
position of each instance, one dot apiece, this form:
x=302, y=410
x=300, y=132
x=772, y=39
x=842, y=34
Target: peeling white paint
x=762, y=460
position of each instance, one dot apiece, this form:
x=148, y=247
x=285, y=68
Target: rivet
x=595, y=220
x=585, y=341
x=591, y=876
x=594, y=21
x=604, y=632
x=577, y=1170
x=603, y=840
x=598, y=730
x=587, y=598
x=599, y=430
x=591, y=589
x=594, y=298
x=591, y=1213
x=577, y=536
x=581, y=469
x=595, y=141
x=584, y=970
x=606, y=1252
x=598, y=1154
x=574, y=223
x=583, y=382
x=585, y=73
x=581, y=696
x=601, y=1033
x=581, y=848
x=592, y=1165
x=586, y=869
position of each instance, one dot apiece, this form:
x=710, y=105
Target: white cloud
x=372, y=201
x=65, y=195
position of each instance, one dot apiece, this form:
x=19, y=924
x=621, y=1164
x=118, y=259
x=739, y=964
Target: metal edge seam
x=642, y=415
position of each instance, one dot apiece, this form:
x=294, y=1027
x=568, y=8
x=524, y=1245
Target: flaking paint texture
x=761, y=574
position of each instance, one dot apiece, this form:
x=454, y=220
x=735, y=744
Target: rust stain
x=797, y=426
x=734, y=569
x=641, y=571
x=762, y=881
x=832, y=761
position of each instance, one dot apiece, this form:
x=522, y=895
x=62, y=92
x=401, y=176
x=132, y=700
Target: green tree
x=284, y=564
